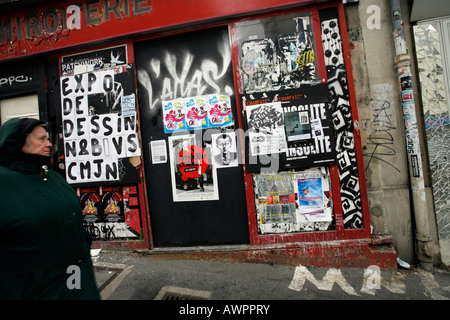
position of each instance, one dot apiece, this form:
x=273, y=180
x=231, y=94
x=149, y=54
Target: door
x=189, y=204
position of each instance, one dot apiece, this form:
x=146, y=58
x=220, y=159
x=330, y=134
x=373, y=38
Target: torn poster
x=283, y=205
x=275, y=198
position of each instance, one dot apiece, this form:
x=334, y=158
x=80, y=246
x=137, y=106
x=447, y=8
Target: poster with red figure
x=194, y=177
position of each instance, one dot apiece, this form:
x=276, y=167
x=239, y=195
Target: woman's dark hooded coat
x=43, y=251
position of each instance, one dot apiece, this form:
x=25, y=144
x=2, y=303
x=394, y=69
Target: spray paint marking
x=372, y=281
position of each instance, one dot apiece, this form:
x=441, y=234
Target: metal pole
x=423, y=238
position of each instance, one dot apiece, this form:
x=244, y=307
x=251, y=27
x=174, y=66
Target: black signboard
x=301, y=120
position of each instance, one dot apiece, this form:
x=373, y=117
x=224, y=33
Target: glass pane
x=19, y=107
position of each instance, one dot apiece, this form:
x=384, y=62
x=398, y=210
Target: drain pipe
x=423, y=238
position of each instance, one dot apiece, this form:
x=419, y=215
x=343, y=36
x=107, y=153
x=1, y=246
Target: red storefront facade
x=269, y=79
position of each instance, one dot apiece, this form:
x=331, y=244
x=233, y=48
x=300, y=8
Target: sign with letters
x=96, y=134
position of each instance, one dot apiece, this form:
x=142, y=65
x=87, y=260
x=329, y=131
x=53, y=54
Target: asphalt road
x=132, y=276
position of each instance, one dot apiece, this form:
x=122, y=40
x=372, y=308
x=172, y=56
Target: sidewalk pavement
x=133, y=276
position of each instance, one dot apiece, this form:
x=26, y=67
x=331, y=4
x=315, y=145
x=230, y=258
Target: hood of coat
x=13, y=134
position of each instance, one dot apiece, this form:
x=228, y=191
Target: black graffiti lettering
x=133, y=143
x=68, y=127
x=91, y=79
x=381, y=140
x=67, y=106
x=96, y=148
x=83, y=147
x=108, y=83
x=80, y=121
x=98, y=173
x=69, y=171
x=79, y=78
x=106, y=125
x=95, y=127
x=117, y=142
x=111, y=171
x=130, y=122
x=65, y=87
x=85, y=167
x=108, y=232
x=71, y=148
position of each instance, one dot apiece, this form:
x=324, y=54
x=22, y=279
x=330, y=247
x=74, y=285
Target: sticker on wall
x=128, y=105
x=275, y=196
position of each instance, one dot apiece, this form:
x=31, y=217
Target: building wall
x=381, y=120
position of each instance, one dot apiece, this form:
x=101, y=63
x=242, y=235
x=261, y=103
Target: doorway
x=199, y=208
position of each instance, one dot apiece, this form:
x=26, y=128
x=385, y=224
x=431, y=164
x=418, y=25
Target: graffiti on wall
x=176, y=72
x=343, y=124
x=380, y=145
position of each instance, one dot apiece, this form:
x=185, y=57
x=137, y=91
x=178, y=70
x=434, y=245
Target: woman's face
x=37, y=142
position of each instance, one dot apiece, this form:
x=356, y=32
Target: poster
x=310, y=195
x=220, y=114
x=310, y=136
x=314, y=196
x=224, y=151
x=94, y=60
x=159, y=151
x=193, y=175
x=293, y=201
x=275, y=198
x=110, y=213
x=174, y=116
x=276, y=53
x=128, y=105
x=96, y=133
x=266, y=128
x=195, y=113
x=91, y=205
x=298, y=126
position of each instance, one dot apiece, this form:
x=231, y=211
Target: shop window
x=19, y=107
